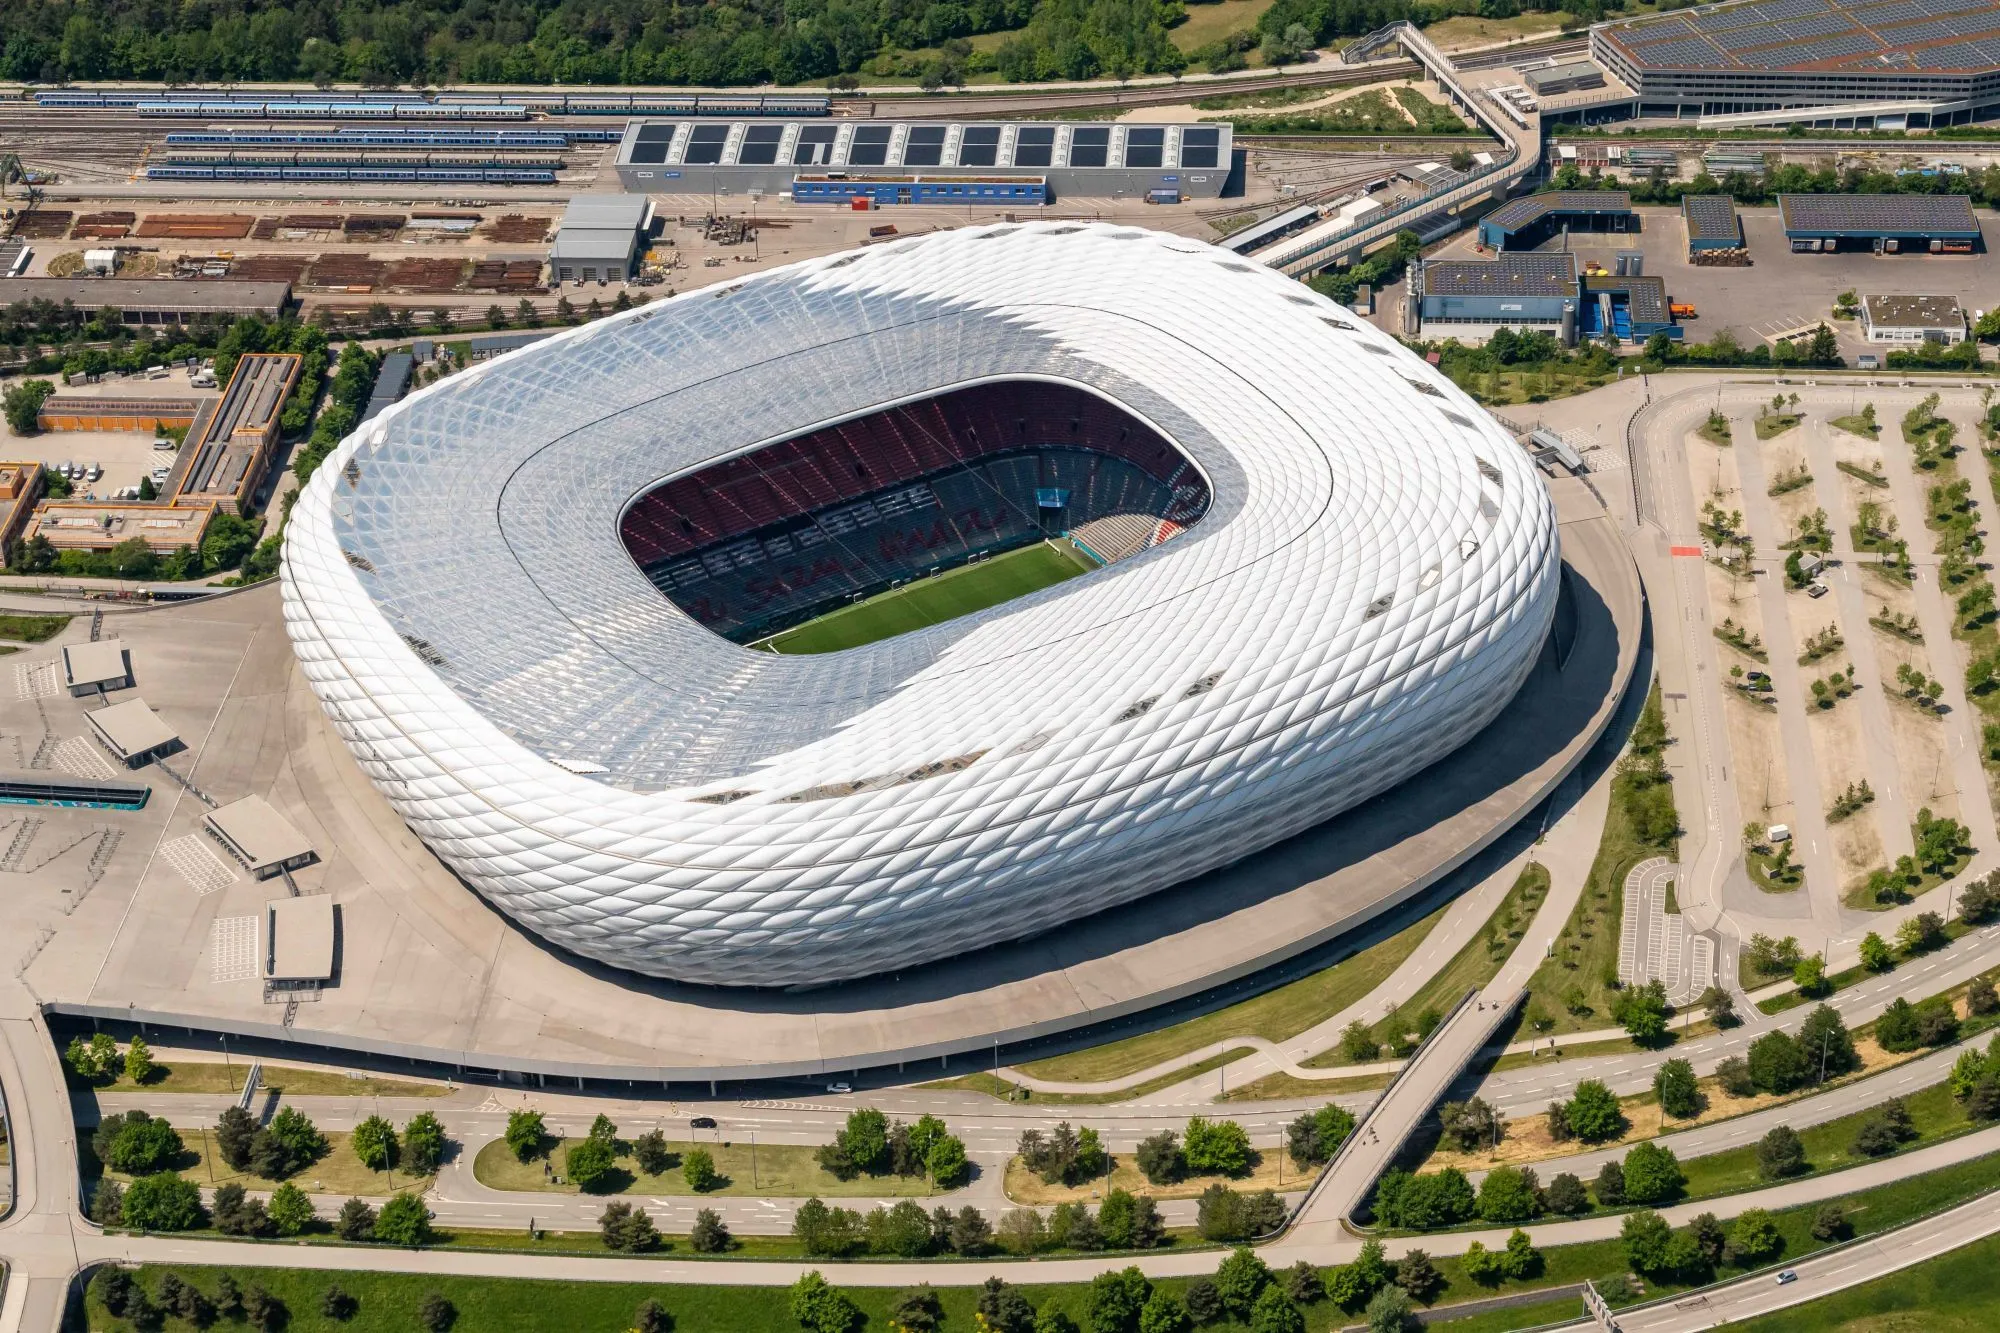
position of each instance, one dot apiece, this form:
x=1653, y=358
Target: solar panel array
x=1710, y=217
x=1842, y=34
x=1889, y=214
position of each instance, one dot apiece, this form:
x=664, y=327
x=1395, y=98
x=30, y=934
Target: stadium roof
x=1526, y=273
x=1851, y=215
x=1370, y=587
x=1518, y=213
x=1848, y=36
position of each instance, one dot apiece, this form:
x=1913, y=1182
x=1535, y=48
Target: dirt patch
x=108, y=226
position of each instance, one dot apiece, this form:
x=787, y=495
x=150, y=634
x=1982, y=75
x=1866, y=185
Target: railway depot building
x=924, y=162
x=1884, y=64
x=1885, y=223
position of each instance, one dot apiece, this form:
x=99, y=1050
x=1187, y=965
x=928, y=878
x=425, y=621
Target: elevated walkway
x=1521, y=155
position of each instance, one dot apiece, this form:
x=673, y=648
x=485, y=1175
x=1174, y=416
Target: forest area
x=417, y=43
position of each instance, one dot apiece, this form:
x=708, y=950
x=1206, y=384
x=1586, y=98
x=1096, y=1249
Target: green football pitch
x=929, y=601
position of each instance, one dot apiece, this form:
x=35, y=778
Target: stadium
x=896, y=604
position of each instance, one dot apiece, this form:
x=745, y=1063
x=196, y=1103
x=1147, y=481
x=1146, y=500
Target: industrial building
x=84, y=412
x=20, y=487
x=82, y=525
x=1546, y=290
x=1572, y=77
x=765, y=156
x=1524, y=223
x=601, y=238
x=228, y=450
x=1711, y=222
x=1889, y=223
x=1905, y=64
x=1912, y=319
x=154, y=300
x=391, y=380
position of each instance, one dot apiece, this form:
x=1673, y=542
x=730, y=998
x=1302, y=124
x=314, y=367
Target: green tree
x=144, y=1145
x=698, y=1168
x=374, y=1142
x=1652, y=1174
x=291, y=1210
x=525, y=1133
x=1755, y=1237
x=1239, y=1279
x=1160, y=1160
x=1115, y=1300
x=1645, y=1235
x=1389, y=1311
x=23, y=405
x=1216, y=1147
x=1523, y=1260
x=947, y=1163
x=139, y=1056
x=1643, y=1012
x=1509, y=1194
x=423, y=1143
x=1593, y=1112
x=865, y=1140
x=1777, y=1065
x=1163, y=1313
x=1875, y=953
x=708, y=1235
x=592, y=1164
x=1677, y=1089
x=1826, y=1044
x=404, y=1221
x=1780, y=1153
x=162, y=1202
x=356, y=1221
x=1275, y=1312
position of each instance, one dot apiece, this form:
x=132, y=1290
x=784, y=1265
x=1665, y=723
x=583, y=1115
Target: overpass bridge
x=1519, y=132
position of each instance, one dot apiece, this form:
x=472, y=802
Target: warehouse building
x=74, y=525
x=601, y=238
x=20, y=487
x=765, y=156
x=227, y=453
x=85, y=412
x=150, y=301
x=391, y=382
x=1888, y=223
x=1711, y=223
x=1524, y=223
x=1519, y=291
x=1912, y=319
x=1906, y=64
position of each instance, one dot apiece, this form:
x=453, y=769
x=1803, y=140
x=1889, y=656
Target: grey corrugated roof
x=606, y=212
x=1525, y=274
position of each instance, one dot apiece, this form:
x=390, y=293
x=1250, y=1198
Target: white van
x=1779, y=833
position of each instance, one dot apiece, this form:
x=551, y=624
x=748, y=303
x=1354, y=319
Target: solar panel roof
x=1525, y=274
x=1710, y=217
x=1517, y=213
x=1856, y=36
x=1878, y=214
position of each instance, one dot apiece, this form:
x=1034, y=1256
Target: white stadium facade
x=524, y=596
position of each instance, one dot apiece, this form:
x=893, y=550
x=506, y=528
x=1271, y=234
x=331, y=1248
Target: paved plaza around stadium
x=429, y=971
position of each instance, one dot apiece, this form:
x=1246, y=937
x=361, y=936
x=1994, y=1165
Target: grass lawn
x=1776, y=424
x=1370, y=112
x=995, y=1086
x=1467, y=30
x=1953, y=1293
x=1513, y=1317
x=1715, y=433
x=1503, y=388
x=1272, y=1087
x=1211, y=23
x=196, y=1076
x=1766, y=876
x=1867, y=430
x=31, y=629
x=1276, y=1015
x=388, y=1301
x=1473, y=966
x=784, y=1170
x=930, y=601
x=339, y=1172
x=1271, y=1170
x=1569, y=989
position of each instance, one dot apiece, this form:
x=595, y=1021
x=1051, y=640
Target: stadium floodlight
x=1369, y=584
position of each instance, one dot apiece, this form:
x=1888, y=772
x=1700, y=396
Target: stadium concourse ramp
x=1519, y=132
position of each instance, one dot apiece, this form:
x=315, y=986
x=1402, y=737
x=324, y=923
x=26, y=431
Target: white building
x=1912, y=319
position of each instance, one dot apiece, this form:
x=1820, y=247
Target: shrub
x=1594, y=1113
x=1389, y=1311
x=1509, y=1194
x=1652, y=1174
x=162, y=1202
x=404, y=1221
x=338, y=1305
x=592, y=1164
x=698, y=1169
x=1780, y=1153
x=1006, y=1310
x=1733, y=1073
x=1304, y=1284
x=142, y=1144
x=1204, y=1301
x=1610, y=1185
x=1216, y=1147
x=1224, y=1214
x=917, y=1310
x=1565, y=1196
x=820, y=1307
x=652, y=1317
x=1829, y=1223
x=709, y=1235
x=1469, y=1124
x=436, y=1313
x=1416, y=1274
x=356, y=1221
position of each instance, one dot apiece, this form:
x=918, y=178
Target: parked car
x=1816, y=589
x=838, y=1087
x=702, y=1122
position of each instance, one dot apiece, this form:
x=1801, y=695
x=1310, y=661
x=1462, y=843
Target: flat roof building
x=1574, y=76
x=390, y=382
x=133, y=733
x=1711, y=222
x=154, y=300
x=1917, y=63
x=299, y=941
x=1938, y=222
x=96, y=668
x=1513, y=290
x=1524, y=223
x=1079, y=159
x=264, y=841
x=600, y=237
x=20, y=487
x=224, y=461
x=84, y=525
x=1912, y=319
x=86, y=412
